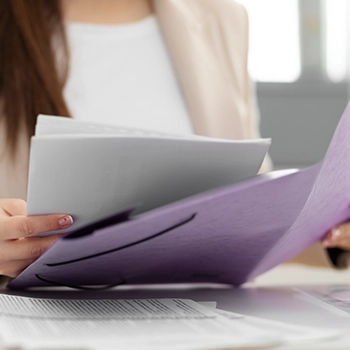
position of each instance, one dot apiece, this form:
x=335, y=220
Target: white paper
x=335, y=295
x=126, y=324
x=166, y=324
x=96, y=174
x=288, y=333
x=208, y=304
x=53, y=125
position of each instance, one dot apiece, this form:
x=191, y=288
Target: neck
x=106, y=11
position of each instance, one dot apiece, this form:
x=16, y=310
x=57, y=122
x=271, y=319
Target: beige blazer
x=208, y=43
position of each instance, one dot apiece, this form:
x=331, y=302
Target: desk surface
x=277, y=303
x=284, y=303
x=294, y=274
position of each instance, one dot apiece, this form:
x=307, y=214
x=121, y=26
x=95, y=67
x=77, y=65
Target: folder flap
x=233, y=228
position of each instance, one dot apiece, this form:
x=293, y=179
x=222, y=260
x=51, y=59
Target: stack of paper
x=166, y=324
x=107, y=169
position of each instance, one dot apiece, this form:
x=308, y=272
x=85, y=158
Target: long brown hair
x=31, y=78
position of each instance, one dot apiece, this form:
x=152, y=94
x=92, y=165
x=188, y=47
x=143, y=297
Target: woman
x=186, y=59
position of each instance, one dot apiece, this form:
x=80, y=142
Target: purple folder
x=227, y=235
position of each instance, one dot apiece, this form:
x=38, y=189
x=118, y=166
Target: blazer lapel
x=194, y=43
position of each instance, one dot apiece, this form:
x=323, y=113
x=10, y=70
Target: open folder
x=228, y=234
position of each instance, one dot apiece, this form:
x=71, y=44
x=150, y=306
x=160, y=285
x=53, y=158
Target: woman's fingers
x=18, y=245
x=26, y=226
x=339, y=237
x=16, y=255
x=13, y=269
x=23, y=249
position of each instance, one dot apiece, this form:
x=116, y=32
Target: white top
x=122, y=75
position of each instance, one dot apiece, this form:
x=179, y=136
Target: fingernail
x=326, y=243
x=335, y=233
x=65, y=221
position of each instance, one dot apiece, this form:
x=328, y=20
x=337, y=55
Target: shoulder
x=230, y=20
x=231, y=10
x=229, y=16
x=221, y=25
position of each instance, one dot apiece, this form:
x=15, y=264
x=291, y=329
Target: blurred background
x=299, y=59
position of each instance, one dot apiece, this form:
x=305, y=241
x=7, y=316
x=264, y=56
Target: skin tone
x=19, y=245
x=106, y=11
x=338, y=237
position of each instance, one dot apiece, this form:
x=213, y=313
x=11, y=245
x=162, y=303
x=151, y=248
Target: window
x=300, y=58
x=293, y=39
x=336, y=14
x=274, y=40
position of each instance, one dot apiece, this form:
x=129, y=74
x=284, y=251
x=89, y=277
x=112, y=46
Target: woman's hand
x=338, y=237
x=18, y=245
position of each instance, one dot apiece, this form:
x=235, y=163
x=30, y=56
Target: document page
x=52, y=125
x=106, y=172
x=289, y=333
x=142, y=324
x=130, y=324
x=335, y=295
